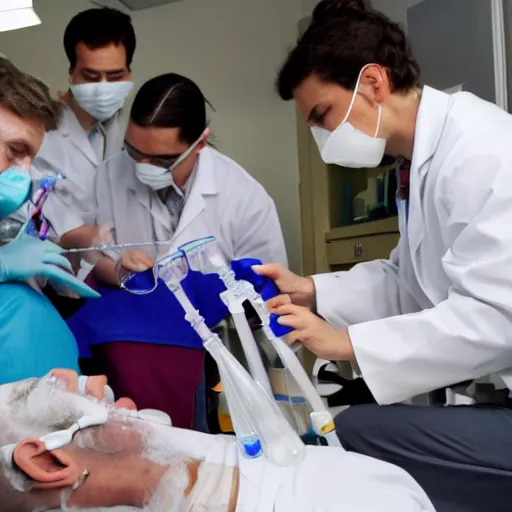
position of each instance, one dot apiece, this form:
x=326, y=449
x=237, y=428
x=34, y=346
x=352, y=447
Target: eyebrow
x=107, y=71
x=26, y=145
x=20, y=393
x=313, y=115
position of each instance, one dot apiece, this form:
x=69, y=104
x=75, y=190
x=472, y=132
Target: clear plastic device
x=258, y=423
x=204, y=256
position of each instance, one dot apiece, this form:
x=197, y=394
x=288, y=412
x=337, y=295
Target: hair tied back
x=328, y=9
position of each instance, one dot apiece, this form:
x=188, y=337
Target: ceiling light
x=16, y=14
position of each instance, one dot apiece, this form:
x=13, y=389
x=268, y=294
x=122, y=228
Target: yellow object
x=224, y=418
x=329, y=427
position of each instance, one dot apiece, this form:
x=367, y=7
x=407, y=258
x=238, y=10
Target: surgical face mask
x=348, y=147
x=157, y=177
x=15, y=188
x=101, y=99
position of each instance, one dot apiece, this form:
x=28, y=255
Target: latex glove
x=27, y=257
x=295, y=289
x=316, y=334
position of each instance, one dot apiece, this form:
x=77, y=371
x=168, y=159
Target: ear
x=204, y=140
x=50, y=470
x=375, y=84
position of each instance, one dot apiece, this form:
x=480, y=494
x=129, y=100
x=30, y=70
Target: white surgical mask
x=347, y=146
x=153, y=176
x=101, y=99
x=157, y=177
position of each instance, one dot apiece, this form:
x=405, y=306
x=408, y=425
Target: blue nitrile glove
x=27, y=257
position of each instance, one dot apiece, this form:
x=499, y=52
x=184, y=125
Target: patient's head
x=124, y=462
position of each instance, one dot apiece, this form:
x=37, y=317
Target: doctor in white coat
x=168, y=185
x=99, y=44
x=439, y=311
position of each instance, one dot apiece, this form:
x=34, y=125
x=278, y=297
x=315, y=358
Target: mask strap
x=352, y=101
x=378, y=121
x=186, y=153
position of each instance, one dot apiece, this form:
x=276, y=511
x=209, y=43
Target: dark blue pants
x=461, y=456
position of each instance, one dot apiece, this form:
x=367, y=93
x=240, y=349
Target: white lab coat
x=68, y=151
x=439, y=312
x=224, y=201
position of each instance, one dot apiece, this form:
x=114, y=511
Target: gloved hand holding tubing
x=27, y=257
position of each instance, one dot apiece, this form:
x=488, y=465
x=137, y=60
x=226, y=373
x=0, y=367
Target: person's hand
x=294, y=289
x=315, y=334
x=136, y=261
x=27, y=256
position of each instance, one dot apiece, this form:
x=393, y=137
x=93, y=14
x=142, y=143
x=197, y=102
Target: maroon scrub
x=154, y=376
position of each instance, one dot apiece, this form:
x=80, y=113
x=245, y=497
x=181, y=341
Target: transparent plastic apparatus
x=204, y=256
x=259, y=425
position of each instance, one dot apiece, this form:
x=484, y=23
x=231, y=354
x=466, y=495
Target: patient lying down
x=132, y=464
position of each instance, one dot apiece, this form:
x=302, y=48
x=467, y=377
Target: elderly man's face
x=20, y=140
x=132, y=455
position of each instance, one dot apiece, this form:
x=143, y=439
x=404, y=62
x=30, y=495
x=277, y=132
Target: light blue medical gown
x=33, y=337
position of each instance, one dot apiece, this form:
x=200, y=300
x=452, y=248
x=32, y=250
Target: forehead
x=34, y=407
x=13, y=127
x=314, y=92
x=155, y=141
x=101, y=59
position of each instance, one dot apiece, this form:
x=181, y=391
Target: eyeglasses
x=169, y=162
x=169, y=268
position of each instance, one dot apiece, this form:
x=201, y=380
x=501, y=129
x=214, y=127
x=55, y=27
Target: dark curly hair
x=343, y=37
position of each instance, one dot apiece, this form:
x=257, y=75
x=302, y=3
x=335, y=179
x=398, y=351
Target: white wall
x=395, y=9
x=307, y=6
x=232, y=49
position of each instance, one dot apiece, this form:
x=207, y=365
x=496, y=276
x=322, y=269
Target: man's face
x=20, y=140
x=100, y=64
x=160, y=147
x=36, y=407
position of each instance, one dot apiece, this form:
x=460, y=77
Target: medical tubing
x=257, y=420
x=290, y=361
x=234, y=298
x=251, y=351
x=241, y=420
x=321, y=418
x=333, y=439
x=244, y=429
x=280, y=443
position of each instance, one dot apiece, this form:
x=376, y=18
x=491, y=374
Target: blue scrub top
x=155, y=318
x=34, y=338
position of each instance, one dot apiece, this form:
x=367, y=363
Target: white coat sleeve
x=468, y=335
x=58, y=208
x=257, y=230
x=368, y=291
x=103, y=207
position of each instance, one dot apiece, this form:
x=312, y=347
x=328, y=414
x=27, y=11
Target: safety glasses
x=169, y=162
x=171, y=267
